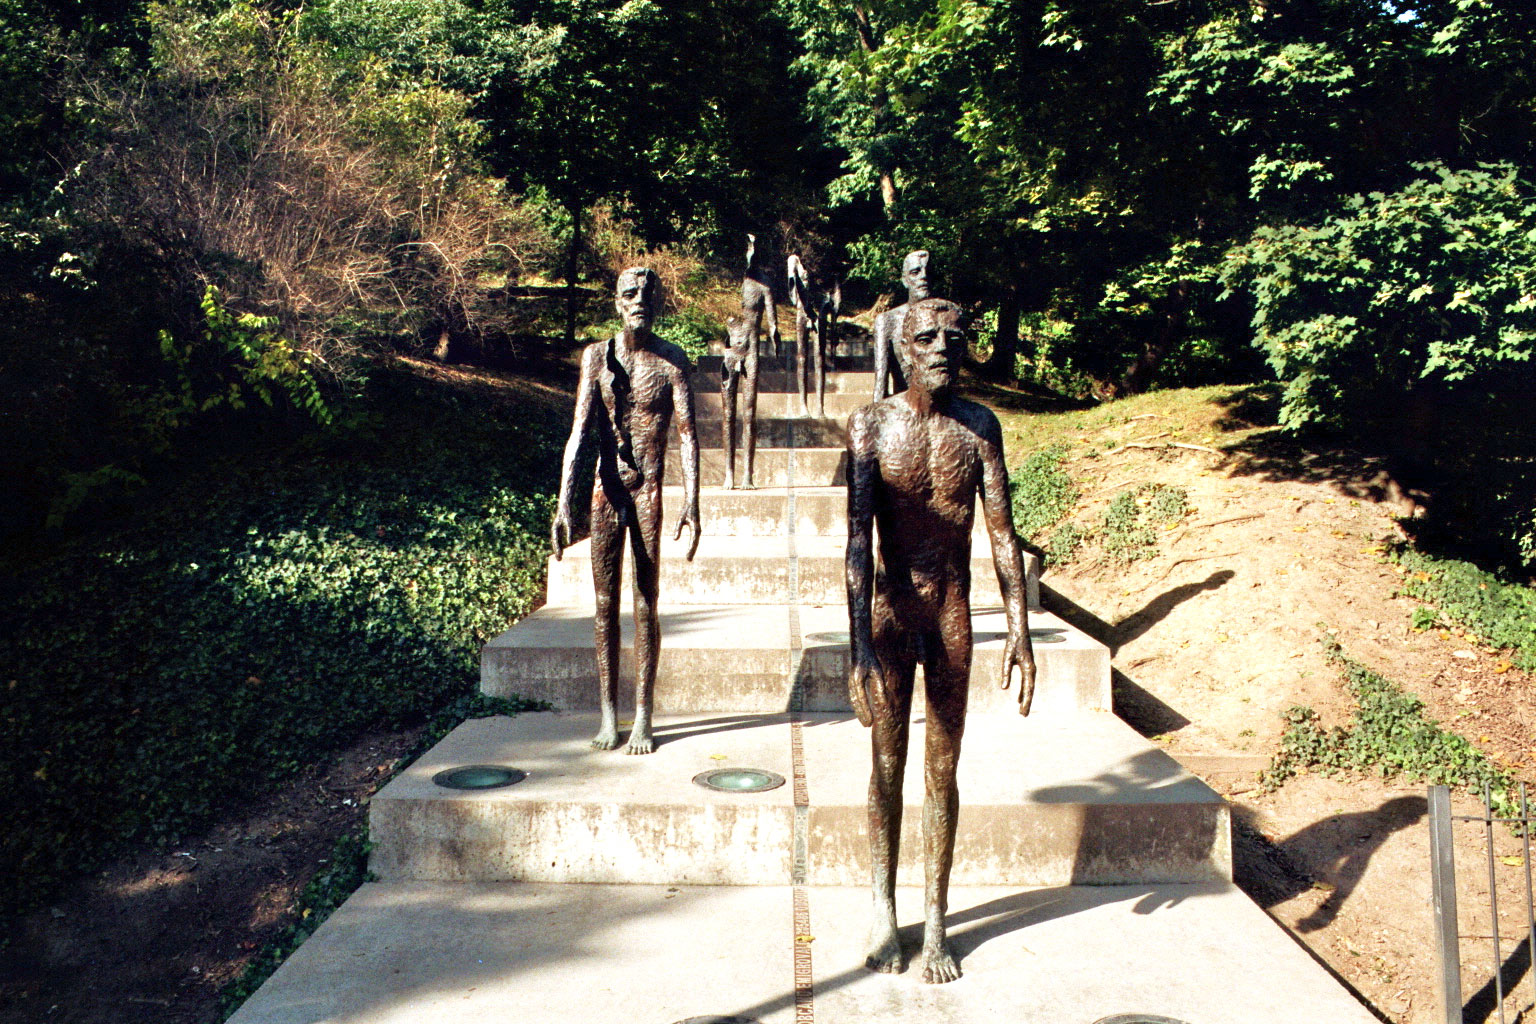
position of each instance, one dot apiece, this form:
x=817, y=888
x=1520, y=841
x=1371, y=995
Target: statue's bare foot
x=884, y=951
x=939, y=964
x=606, y=739
x=748, y=485
x=730, y=483
x=640, y=742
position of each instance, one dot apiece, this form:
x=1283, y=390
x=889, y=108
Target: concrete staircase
x=702, y=902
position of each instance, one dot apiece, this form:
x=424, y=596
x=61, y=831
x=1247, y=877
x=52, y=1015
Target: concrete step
x=763, y=512
x=737, y=658
x=775, y=431
x=772, y=467
x=776, y=379
x=424, y=953
x=1078, y=799
x=707, y=403
x=756, y=570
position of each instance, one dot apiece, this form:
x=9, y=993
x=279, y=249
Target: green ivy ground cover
x=259, y=622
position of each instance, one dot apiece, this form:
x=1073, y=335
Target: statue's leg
x=607, y=575
x=891, y=707
x=823, y=335
x=646, y=540
x=803, y=357
x=749, y=419
x=946, y=672
x=728, y=422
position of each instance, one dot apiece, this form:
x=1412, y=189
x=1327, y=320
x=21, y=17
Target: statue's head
x=914, y=274
x=933, y=344
x=637, y=298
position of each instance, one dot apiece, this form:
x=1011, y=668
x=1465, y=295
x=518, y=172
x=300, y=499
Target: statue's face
x=637, y=299
x=914, y=274
x=935, y=347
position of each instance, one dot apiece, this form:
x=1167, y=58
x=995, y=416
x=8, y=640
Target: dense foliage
x=159, y=673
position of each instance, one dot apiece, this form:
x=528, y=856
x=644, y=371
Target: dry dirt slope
x=1220, y=632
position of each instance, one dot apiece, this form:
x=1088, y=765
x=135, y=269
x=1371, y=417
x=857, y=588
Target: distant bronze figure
x=918, y=461
x=631, y=385
x=739, y=367
x=810, y=322
x=757, y=302
x=914, y=275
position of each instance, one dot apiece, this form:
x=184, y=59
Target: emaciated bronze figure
x=918, y=461
x=914, y=275
x=757, y=302
x=630, y=387
x=739, y=367
x=809, y=322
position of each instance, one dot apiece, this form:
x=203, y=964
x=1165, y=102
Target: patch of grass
x=346, y=869
x=271, y=610
x=1388, y=736
x=1129, y=527
x=1043, y=493
x=1501, y=613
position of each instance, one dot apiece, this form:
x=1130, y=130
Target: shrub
x=1043, y=493
x=1502, y=613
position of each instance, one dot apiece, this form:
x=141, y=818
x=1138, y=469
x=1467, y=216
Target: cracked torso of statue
x=918, y=462
x=632, y=386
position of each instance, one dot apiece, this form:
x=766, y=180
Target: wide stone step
x=424, y=953
x=764, y=511
x=769, y=381
x=777, y=431
x=707, y=404
x=772, y=467
x=1075, y=799
x=738, y=658
x=756, y=570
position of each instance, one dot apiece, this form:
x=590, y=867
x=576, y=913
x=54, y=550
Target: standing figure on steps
x=739, y=366
x=757, y=296
x=918, y=461
x=630, y=387
x=809, y=317
x=914, y=275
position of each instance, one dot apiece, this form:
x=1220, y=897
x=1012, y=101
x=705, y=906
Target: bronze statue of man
x=631, y=385
x=810, y=320
x=757, y=302
x=914, y=275
x=918, y=461
x=739, y=367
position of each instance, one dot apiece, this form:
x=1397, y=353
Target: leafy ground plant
x=276, y=608
x=1128, y=529
x=1044, y=495
x=1500, y=612
x=1388, y=736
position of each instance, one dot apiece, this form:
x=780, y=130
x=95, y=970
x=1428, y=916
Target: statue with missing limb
x=814, y=315
x=918, y=462
x=757, y=302
x=888, y=357
x=739, y=366
x=631, y=386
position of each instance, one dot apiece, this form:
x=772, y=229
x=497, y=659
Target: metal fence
x=1506, y=971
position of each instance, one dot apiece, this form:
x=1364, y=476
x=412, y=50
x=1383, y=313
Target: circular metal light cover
x=738, y=780
x=711, y=1018
x=1047, y=636
x=479, y=776
x=1137, y=1018
x=833, y=636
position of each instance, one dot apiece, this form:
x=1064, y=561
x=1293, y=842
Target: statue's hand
x=560, y=532
x=864, y=671
x=1020, y=652
x=689, y=519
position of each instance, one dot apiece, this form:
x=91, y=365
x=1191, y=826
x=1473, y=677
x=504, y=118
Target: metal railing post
x=1442, y=861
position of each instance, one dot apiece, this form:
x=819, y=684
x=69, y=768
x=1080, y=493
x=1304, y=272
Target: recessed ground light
x=1047, y=636
x=1137, y=1018
x=738, y=780
x=834, y=636
x=713, y=1019
x=479, y=776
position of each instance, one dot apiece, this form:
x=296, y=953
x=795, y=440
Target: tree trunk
x=572, y=269
x=1000, y=365
x=1139, y=376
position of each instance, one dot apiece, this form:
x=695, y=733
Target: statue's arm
x=688, y=449
x=561, y=529
x=882, y=355
x=1006, y=556
x=859, y=567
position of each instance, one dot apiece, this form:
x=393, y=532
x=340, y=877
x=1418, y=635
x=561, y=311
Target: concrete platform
x=738, y=658
x=778, y=380
x=764, y=511
x=1044, y=801
x=427, y=953
x=774, y=431
x=756, y=570
x=839, y=405
x=812, y=467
